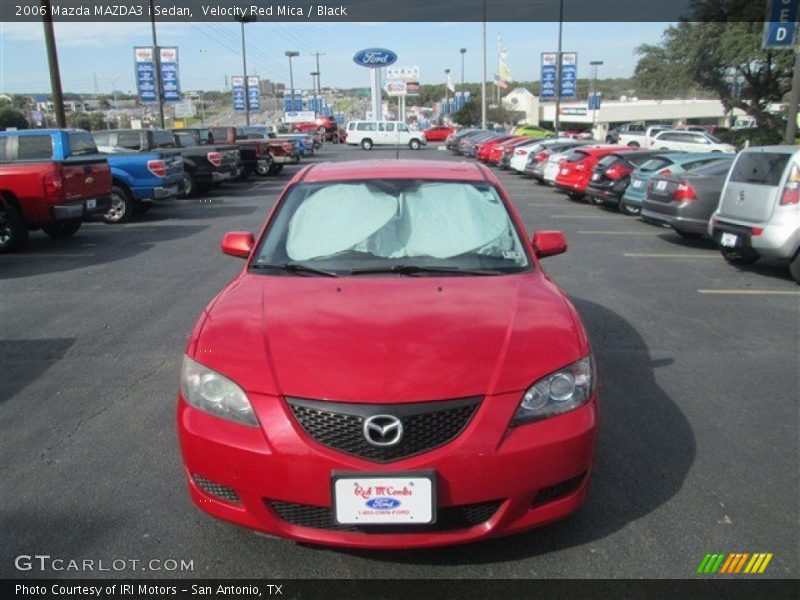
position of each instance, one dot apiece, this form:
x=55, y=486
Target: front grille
x=426, y=425
x=558, y=490
x=216, y=489
x=447, y=519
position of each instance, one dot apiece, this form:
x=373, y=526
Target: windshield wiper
x=295, y=268
x=414, y=269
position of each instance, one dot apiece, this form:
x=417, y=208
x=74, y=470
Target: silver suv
x=759, y=209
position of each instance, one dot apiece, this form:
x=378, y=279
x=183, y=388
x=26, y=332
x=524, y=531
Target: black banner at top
x=384, y=10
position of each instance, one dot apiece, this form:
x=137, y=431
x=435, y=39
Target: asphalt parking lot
x=698, y=362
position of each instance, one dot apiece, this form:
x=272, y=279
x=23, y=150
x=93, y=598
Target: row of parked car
x=748, y=202
x=54, y=179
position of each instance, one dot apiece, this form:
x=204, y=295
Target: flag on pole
x=502, y=58
x=450, y=85
x=499, y=82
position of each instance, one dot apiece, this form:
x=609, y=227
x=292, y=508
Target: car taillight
x=53, y=183
x=617, y=172
x=215, y=158
x=684, y=193
x=540, y=156
x=157, y=167
x=519, y=152
x=791, y=191
x=579, y=165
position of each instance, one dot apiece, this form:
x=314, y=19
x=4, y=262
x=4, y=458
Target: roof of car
x=778, y=148
x=23, y=132
x=392, y=169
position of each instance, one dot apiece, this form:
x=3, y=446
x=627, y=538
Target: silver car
x=759, y=209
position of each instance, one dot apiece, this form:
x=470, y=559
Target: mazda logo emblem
x=383, y=430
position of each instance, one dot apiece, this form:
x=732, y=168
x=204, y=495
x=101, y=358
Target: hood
x=389, y=340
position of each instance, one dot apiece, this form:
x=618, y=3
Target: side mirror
x=238, y=243
x=549, y=243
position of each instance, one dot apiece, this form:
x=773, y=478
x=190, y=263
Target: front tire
x=366, y=144
x=13, y=231
x=629, y=209
x=794, y=268
x=274, y=169
x=189, y=185
x=121, y=206
x=414, y=144
x=62, y=229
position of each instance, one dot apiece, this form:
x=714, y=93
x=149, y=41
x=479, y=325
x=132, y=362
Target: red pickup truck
x=48, y=181
x=259, y=155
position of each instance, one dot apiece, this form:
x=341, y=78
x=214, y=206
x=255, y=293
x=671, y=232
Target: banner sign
x=237, y=86
x=412, y=88
x=549, y=60
x=396, y=88
x=375, y=58
x=594, y=101
x=779, y=25
x=395, y=73
x=184, y=109
x=569, y=74
x=292, y=106
x=145, y=73
x=302, y=116
x=253, y=92
x=170, y=84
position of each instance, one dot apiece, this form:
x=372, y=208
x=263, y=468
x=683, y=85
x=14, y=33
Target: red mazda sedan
x=392, y=368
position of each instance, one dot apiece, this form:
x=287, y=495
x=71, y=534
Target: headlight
x=559, y=392
x=210, y=392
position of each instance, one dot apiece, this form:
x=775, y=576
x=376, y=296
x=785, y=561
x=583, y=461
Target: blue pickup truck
x=137, y=178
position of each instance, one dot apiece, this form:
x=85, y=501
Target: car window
x=379, y=223
x=713, y=139
x=185, y=139
x=654, y=164
x=609, y=160
x=351, y=126
x=102, y=138
x=366, y=127
x=34, y=147
x=81, y=143
x=219, y=134
x=402, y=127
x=390, y=127
x=163, y=139
x=574, y=155
x=760, y=168
x=713, y=168
x=698, y=139
x=130, y=140
x=381, y=126
x=689, y=166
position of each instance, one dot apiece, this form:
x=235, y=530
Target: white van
x=689, y=141
x=383, y=133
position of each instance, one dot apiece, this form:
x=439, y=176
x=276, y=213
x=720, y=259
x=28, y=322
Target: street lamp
x=314, y=75
x=446, y=92
x=463, y=52
x=595, y=64
x=243, y=20
x=291, y=54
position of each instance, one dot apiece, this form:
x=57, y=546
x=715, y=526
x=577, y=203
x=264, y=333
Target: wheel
x=274, y=169
x=13, y=231
x=366, y=144
x=688, y=235
x=62, y=229
x=263, y=169
x=594, y=200
x=629, y=209
x=794, y=268
x=414, y=144
x=121, y=206
x=739, y=256
x=189, y=185
x=634, y=145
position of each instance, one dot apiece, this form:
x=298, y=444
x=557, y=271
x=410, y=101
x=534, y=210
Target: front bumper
x=81, y=209
x=520, y=469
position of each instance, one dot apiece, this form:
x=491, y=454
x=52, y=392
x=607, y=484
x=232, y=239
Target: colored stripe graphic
x=717, y=563
x=702, y=567
x=764, y=564
x=741, y=561
x=734, y=563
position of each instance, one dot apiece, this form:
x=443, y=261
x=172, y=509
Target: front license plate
x=90, y=204
x=661, y=185
x=596, y=177
x=381, y=500
x=637, y=183
x=729, y=240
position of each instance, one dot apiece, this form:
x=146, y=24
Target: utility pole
x=52, y=61
x=314, y=75
x=319, y=81
x=290, y=54
x=556, y=122
x=794, y=95
x=157, y=63
x=446, y=93
x=595, y=64
x=243, y=21
x=463, y=51
x=483, y=80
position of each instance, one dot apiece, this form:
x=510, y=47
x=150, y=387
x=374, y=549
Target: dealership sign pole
x=780, y=33
x=375, y=59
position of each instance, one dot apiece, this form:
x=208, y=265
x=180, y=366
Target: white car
x=689, y=141
x=553, y=166
x=639, y=138
x=521, y=154
x=383, y=133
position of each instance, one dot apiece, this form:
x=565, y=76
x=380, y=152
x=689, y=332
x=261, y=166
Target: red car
x=392, y=367
x=498, y=151
x=438, y=134
x=483, y=152
x=576, y=168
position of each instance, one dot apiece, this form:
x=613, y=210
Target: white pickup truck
x=635, y=135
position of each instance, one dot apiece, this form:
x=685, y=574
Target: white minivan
x=383, y=133
x=689, y=141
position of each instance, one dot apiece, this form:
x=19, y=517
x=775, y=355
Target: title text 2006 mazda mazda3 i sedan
x=392, y=368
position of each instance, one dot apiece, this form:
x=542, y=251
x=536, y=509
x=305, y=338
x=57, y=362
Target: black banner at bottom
x=400, y=589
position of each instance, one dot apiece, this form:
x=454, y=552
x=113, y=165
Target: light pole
x=314, y=87
x=558, y=65
x=463, y=51
x=243, y=20
x=483, y=79
x=595, y=64
x=157, y=65
x=446, y=93
x=290, y=54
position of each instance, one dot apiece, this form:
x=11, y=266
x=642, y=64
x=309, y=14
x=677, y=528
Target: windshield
x=82, y=144
x=381, y=224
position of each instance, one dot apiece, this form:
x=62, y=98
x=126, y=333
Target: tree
x=711, y=55
x=10, y=117
x=90, y=121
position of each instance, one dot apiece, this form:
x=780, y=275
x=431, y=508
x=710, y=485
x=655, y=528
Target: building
x=522, y=100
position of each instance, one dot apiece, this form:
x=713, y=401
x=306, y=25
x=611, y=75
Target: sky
x=210, y=51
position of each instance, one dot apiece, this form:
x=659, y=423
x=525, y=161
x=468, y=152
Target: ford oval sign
x=374, y=58
x=383, y=503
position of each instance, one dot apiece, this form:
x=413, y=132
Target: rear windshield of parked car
x=760, y=168
x=186, y=139
x=81, y=143
x=163, y=139
x=654, y=164
x=714, y=168
x=33, y=147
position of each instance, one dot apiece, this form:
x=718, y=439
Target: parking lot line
x=42, y=255
x=752, y=292
x=669, y=255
